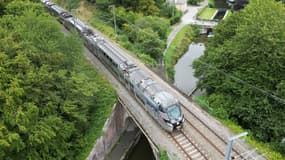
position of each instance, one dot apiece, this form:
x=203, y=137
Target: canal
x=221, y=4
x=184, y=78
x=142, y=151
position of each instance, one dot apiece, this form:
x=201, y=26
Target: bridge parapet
x=113, y=128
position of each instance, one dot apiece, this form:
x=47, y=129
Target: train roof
x=57, y=9
x=44, y=1
x=112, y=53
x=82, y=27
x=49, y=3
x=164, y=99
x=137, y=76
x=151, y=89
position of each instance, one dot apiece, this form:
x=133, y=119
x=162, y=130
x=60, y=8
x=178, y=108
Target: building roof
x=177, y=1
x=180, y=1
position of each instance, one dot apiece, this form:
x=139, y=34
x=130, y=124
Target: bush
x=211, y=4
x=176, y=17
x=193, y=2
x=163, y=155
x=216, y=109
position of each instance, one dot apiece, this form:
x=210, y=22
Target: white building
x=179, y=4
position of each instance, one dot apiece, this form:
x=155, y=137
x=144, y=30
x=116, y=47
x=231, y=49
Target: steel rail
x=211, y=130
x=181, y=134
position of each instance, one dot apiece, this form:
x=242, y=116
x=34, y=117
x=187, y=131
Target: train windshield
x=174, y=112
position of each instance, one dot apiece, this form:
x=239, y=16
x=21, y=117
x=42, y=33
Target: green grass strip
x=207, y=14
x=228, y=14
x=163, y=154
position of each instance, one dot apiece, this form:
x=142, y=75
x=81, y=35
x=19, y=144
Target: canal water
x=221, y=4
x=184, y=78
x=142, y=151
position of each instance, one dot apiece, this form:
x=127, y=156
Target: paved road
x=188, y=18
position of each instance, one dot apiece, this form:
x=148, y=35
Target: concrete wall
x=112, y=130
x=118, y=122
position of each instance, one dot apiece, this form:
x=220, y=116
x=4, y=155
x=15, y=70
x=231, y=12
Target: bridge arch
x=130, y=125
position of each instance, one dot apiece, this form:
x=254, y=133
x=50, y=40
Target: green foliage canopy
x=46, y=98
x=245, y=64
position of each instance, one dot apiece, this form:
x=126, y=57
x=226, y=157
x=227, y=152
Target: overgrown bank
x=53, y=104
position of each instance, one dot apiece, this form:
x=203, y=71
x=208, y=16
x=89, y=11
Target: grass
x=211, y=3
x=177, y=48
x=163, y=155
x=228, y=14
x=262, y=147
x=206, y=13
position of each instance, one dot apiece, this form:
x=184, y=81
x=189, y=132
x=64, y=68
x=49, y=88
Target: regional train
x=160, y=104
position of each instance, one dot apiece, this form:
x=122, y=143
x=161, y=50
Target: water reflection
x=184, y=78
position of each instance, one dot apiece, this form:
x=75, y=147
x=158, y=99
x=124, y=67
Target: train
x=161, y=105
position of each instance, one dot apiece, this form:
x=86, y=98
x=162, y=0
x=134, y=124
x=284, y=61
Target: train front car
x=170, y=113
x=160, y=104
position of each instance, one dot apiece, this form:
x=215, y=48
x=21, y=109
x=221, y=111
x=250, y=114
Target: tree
x=193, y=2
x=245, y=63
x=149, y=42
x=147, y=7
x=46, y=97
x=159, y=25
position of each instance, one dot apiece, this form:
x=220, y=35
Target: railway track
x=188, y=146
x=218, y=142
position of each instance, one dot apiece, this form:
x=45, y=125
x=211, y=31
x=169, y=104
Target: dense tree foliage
x=45, y=96
x=243, y=70
x=193, y=2
x=147, y=20
x=140, y=22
